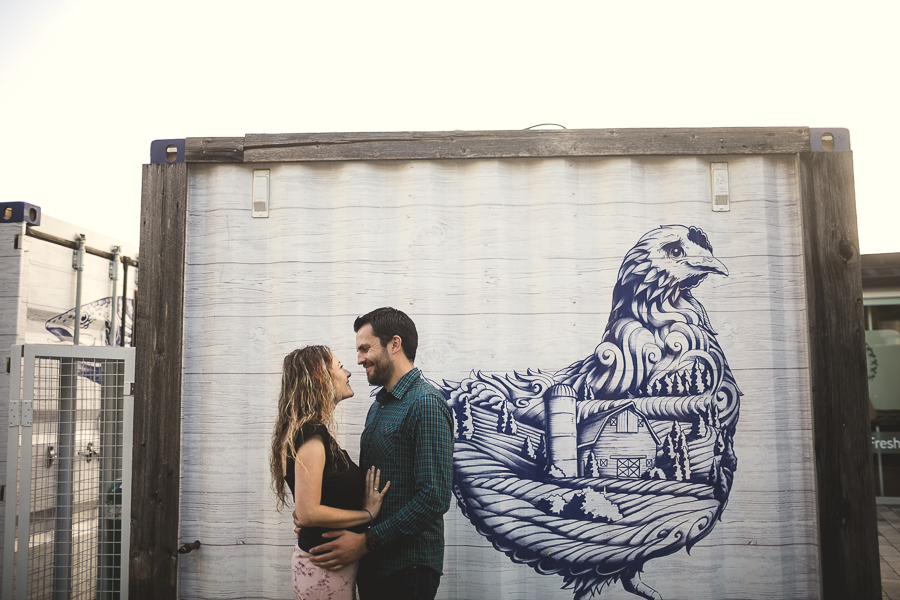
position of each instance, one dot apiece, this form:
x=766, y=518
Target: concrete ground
x=889, y=549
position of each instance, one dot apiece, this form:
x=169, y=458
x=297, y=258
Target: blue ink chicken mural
x=623, y=456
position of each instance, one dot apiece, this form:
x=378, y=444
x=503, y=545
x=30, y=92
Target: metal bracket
x=15, y=414
x=89, y=453
x=828, y=140
x=51, y=455
x=128, y=388
x=185, y=548
x=27, y=414
x=114, y=264
x=166, y=151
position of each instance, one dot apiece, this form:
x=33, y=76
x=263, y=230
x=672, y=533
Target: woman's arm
x=308, y=510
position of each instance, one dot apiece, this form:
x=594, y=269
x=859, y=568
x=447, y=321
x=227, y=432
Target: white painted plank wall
x=504, y=265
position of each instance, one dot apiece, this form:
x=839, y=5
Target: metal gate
x=70, y=426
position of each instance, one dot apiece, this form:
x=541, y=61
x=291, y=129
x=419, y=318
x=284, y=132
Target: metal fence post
x=62, y=552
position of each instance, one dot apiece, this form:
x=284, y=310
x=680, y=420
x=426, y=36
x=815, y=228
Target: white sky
x=85, y=86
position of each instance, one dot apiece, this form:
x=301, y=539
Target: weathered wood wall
x=505, y=265
x=158, y=368
x=847, y=521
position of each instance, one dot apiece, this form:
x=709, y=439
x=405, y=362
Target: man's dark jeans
x=411, y=583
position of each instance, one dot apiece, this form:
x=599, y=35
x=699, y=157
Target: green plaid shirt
x=409, y=436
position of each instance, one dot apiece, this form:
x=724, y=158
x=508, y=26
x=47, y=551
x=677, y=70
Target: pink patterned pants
x=315, y=583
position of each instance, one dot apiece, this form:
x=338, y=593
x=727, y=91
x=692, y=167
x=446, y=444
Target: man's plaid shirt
x=409, y=436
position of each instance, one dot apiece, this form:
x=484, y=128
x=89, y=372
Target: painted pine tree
x=541, y=453
x=465, y=425
x=675, y=462
x=591, y=466
x=682, y=461
x=678, y=384
x=528, y=450
x=699, y=430
x=505, y=421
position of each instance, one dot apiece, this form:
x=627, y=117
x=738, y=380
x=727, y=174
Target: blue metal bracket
x=166, y=151
x=18, y=212
x=819, y=140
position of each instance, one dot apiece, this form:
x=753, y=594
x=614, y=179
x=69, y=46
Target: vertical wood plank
x=846, y=493
x=157, y=406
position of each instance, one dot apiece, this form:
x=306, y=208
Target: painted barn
x=617, y=443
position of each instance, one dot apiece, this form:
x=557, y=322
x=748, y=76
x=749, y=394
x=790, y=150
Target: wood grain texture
x=525, y=143
x=214, y=150
x=504, y=265
x=846, y=490
x=157, y=406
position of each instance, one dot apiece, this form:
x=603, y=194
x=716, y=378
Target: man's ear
x=396, y=344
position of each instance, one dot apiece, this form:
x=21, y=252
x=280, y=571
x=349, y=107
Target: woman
x=330, y=491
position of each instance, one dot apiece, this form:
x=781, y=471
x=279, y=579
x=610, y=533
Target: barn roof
x=592, y=426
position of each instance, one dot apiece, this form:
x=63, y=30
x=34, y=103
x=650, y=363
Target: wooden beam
x=214, y=150
x=521, y=144
x=848, y=534
x=157, y=402
x=46, y=237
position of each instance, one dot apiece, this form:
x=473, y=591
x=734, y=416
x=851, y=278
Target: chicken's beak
x=709, y=265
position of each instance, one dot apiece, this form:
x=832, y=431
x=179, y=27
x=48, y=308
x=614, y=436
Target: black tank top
x=343, y=486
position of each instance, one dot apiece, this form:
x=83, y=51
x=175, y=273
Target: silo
x=562, y=436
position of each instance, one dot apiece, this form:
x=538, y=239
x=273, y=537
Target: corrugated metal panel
x=505, y=265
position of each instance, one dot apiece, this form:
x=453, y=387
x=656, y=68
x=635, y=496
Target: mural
x=621, y=457
x=96, y=328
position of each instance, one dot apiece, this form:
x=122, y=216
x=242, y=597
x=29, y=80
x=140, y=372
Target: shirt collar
x=400, y=388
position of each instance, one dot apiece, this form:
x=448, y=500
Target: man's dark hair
x=386, y=323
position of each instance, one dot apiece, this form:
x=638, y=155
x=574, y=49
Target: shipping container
x=651, y=342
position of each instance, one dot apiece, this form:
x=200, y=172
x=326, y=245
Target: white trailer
x=39, y=288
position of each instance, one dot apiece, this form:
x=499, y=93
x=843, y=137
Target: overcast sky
x=85, y=86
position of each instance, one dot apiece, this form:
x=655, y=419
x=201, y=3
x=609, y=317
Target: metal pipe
x=880, y=468
x=62, y=546
x=114, y=275
x=124, y=300
x=78, y=265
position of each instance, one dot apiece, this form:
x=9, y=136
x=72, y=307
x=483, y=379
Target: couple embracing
x=378, y=525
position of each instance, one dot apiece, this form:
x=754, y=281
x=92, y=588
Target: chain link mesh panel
x=75, y=479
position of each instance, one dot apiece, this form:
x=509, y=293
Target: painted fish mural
x=96, y=328
x=623, y=456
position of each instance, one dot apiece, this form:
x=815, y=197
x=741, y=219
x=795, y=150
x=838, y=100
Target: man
x=409, y=436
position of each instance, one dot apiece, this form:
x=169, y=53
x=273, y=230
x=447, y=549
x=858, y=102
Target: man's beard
x=382, y=371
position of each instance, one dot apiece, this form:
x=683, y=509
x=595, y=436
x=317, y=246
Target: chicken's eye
x=674, y=250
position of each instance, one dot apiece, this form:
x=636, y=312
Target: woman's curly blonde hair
x=307, y=396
